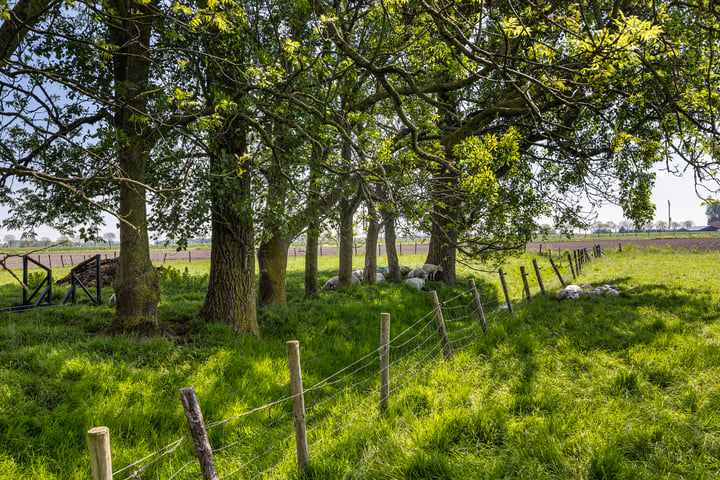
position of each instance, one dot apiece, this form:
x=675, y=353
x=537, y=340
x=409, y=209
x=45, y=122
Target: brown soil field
x=54, y=260
x=702, y=244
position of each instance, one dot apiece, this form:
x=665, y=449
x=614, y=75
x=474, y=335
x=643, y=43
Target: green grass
x=596, y=388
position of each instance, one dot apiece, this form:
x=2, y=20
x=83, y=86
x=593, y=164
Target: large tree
x=519, y=109
x=83, y=108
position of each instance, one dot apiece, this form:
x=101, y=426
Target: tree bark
x=231, y=291
x=311, y=261
x=371, y=241
x=388, y=215
x=272, y=260
x=137, y=284
x=347, y=213
x=443, y=236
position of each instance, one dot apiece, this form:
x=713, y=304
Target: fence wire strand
x=255, y=444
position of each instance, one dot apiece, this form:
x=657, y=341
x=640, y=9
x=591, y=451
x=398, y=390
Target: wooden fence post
x=478, y=305
x=557, y=272
x=199, y=434
x=523, y=274
x=440, y=321
x=298, y=398
x=539, y=278
x=505, y=291
x=100, y=459
x=572, y=269
x=384, y=360
x=619, y=247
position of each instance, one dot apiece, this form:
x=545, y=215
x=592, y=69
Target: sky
x=680, y=191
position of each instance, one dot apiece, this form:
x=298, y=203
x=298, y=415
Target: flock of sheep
x=415, y=276
x=572, y=292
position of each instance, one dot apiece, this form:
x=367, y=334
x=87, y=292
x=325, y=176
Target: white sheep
x=358, y=272
x=432, y=270
x=332, y=284
x=417, y=273
x=379, y=277
x=418, y=283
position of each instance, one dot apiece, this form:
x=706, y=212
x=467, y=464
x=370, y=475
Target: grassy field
x=597, y=388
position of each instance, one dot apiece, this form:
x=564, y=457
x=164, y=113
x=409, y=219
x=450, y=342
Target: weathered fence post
x=298, y=397
x=572, y=268
x=384, y=360
x=577, y=262
x=478, y=305
x=100, y=459
x=539, y=278
x=199, y=434
x=190, y=256
x=505, y=291
x=440, y=321
x=523, y=274
x=619, y=247
x=557, y=272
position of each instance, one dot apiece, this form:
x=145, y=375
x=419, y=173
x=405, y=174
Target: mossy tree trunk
x=231, y=291
x=388, y=216
x=311, y=260
x=348, y=207
x=137, y=285
x=272, y=260
x=445, y=215
x=371, y=242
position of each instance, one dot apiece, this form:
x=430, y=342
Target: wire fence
x=260, y=443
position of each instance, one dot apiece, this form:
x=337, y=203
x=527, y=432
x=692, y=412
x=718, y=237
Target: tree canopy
x=472, y=120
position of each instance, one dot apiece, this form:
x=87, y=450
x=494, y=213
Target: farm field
x=595, y=388
x=59, y=257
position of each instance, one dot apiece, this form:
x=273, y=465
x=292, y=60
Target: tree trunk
x=347, y=213
x=443, y=236
x=272, y=260
x=388, y=215
x=446, y=200
x=371, y=241
x=137, y=284
x=311, y=261
x=231, y=292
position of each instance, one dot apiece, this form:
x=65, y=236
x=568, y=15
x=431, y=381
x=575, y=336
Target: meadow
x=597, y=388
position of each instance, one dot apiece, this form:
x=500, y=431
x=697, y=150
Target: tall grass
x=596, y=388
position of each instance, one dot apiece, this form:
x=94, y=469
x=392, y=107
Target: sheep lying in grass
x=572, y=292
x=332, y=284
x=379, y=277
x=418, y=273
x=432, y=270
x=418, y=283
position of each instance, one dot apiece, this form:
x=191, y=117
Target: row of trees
x=259, y=121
